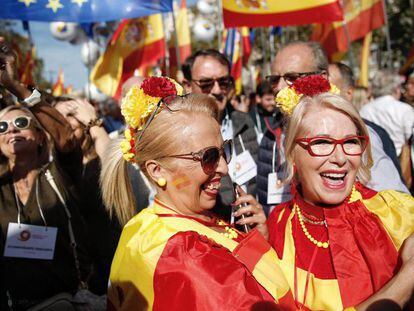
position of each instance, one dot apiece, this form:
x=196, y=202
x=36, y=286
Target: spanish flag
x=27, y=67
x=258, y=13
x=136, y=43
x=58, y=89
x=233, y=49
x=247, y=47
x=183, y=39
x=167, y=261
x=409, y=61
x=361, y=17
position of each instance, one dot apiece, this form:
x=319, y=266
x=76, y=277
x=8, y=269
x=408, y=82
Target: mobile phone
x=246, y=228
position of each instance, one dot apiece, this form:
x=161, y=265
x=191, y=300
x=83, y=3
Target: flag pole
x=387, y=35
x=220, y=25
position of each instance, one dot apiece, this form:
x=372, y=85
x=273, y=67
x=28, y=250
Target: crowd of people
x=188, y=197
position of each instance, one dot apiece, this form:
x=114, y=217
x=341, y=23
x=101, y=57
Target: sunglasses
x=206, y=85
x=21, y=123
x=325, y=146
x=290, y=77
x=209, y=157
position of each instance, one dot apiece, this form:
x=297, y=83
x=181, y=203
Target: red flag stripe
x=148, y=56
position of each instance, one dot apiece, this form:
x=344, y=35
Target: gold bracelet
x=92, y=123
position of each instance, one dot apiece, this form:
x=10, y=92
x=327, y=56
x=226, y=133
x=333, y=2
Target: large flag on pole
x=361, y=17
x=258, y=13
x=81, y=11
x=136, y=43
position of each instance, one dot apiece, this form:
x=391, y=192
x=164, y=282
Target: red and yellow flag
x=257, y=13
x=58, y=89
x=136, y=43
x=247, y=47
x=361, y=17
x=183, y=39
x=27, y=67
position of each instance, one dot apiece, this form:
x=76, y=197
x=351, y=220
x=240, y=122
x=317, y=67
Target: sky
x=59, y=54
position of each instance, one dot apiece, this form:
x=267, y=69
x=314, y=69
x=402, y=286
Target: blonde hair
x=44, y=148
x=158, y=140
x=325, y=101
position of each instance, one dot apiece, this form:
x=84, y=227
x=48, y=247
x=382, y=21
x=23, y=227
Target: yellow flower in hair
x=334, y=89
x=141, y=101
x=287, y=99
x=136, y=106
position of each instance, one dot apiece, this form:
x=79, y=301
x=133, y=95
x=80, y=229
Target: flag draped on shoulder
x=361, y=17
x=81, y=11
x=257, y=13
x=136, y=44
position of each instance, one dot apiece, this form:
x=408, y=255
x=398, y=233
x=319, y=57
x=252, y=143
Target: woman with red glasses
x=175, y=254
x=337, y=241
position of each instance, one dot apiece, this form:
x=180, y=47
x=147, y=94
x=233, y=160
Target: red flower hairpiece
x=311, y=85
x=158, y=87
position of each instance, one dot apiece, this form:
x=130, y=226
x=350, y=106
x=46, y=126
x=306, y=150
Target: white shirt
x=396, y=117
x=384, y=174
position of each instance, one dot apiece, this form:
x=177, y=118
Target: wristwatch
x=33, y=99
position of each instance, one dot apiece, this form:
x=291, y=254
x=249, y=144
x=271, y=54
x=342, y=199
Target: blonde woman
x=337, y=240
x=175, y=254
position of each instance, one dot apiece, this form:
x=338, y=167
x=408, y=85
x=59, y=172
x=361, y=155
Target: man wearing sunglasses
x=208, y=72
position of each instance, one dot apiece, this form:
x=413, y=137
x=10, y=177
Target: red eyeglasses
x=320, y=146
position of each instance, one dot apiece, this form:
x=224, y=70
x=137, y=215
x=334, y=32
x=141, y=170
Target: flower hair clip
x=138, y=106
x=288, y=97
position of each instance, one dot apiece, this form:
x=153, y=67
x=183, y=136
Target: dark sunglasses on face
x=208, y=83
x=290, y=77
x=325, y=146
x=209, y=157
x=21, y=123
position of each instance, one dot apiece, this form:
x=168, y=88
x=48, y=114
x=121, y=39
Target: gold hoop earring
x=161, y=182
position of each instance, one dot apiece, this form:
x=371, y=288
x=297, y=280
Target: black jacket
x=243, y=126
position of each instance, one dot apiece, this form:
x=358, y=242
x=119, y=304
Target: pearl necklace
x=230, y=232
x=305, y=230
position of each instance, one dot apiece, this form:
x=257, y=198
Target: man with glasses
x=208, y=72
x=292, y=61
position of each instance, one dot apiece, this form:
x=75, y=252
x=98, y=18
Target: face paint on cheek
x=181, y=181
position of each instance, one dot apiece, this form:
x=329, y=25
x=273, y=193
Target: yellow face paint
x=181, y=181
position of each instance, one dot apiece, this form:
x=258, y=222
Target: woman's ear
x=155, y=171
